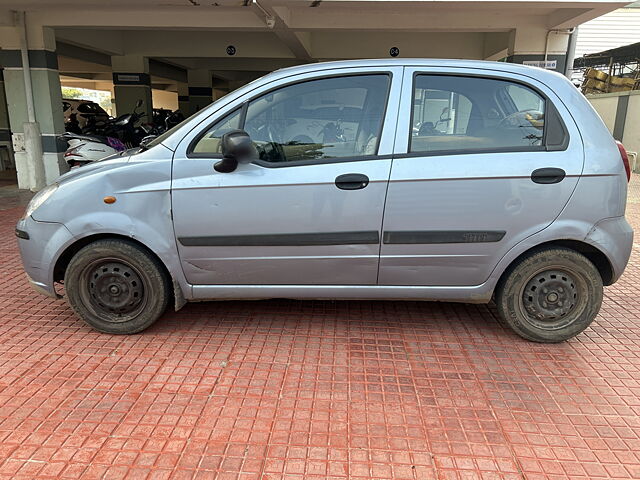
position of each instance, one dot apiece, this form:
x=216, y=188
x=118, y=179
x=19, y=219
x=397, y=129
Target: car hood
x=107, y=163
x=117, y=160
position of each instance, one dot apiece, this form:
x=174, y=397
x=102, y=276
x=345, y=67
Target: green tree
x=72, y=92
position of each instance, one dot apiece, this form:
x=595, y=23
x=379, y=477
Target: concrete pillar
x=200, y=89
x=183, y=98
x=6, y=152
x=47, y=100
x=131, y=82
x=527, y=46
x=219, y=92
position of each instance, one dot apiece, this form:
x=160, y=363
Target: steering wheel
x=264, y=133
x=530, y=121
x=264, y=139
x=515, y=115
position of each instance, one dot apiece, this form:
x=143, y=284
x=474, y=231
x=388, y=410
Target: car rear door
x=483, y=159
x=309, y=211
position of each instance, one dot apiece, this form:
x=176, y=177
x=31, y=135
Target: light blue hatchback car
x=375, y=179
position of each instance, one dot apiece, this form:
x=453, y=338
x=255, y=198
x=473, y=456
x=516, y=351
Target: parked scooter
x=83, y=149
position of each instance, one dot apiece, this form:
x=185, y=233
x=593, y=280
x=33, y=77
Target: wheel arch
x=63, y=261
x=593, y=254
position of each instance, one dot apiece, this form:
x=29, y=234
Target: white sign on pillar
x=128, y=77
x=548, y=64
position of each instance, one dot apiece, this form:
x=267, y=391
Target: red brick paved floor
x=290, y=390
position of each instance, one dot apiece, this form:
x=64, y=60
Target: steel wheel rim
x=113, y=288
x=552, y=298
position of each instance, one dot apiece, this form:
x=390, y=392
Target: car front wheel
x=550, y=295
x=116, y=286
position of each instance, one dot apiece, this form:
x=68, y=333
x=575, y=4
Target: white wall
x=164, y=99
x=606, y=105
x=631, y=136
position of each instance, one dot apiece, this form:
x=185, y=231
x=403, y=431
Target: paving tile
x=315, y=390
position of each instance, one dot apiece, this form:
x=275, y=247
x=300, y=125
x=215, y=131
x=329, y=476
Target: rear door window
x=466, y=114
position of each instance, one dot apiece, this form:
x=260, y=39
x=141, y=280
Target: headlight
x=39, y=198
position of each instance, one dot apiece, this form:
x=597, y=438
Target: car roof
x=417, y=62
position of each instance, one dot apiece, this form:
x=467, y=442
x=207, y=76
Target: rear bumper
x=40, y=244
x=614, y=237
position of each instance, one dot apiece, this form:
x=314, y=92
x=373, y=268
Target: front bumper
x=614, y=237
x=40, y=246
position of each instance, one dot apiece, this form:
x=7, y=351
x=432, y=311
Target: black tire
x=550, y=295
x=116, y=286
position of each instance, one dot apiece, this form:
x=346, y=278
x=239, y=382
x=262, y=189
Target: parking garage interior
x=283, y=388
x=185, y=53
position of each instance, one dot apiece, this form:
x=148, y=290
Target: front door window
x=329, y=118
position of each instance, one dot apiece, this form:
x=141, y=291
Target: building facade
x=612, y=30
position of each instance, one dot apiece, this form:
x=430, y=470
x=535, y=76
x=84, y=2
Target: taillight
x=73, y=152
x=625, y=160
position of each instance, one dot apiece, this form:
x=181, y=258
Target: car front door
x=309, y=209
x=482, y=161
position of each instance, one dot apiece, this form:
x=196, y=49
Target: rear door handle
x=352, y=181
x=548, y=175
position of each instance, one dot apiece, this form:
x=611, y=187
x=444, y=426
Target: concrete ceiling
x=270, y=34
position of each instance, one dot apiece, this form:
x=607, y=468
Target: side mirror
x=236, y=148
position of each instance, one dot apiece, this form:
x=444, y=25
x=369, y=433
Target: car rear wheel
x=116, y=286
x=550, y=295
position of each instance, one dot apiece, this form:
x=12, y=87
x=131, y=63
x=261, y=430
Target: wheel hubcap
x=550, y=295
x=115, y=287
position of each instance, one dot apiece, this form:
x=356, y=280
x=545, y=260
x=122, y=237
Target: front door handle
x=548, y=175
x=352, y=181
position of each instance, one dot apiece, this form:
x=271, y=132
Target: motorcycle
x=174, y=118
x=126, y=128
x=164, y=120
x=100, y=139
